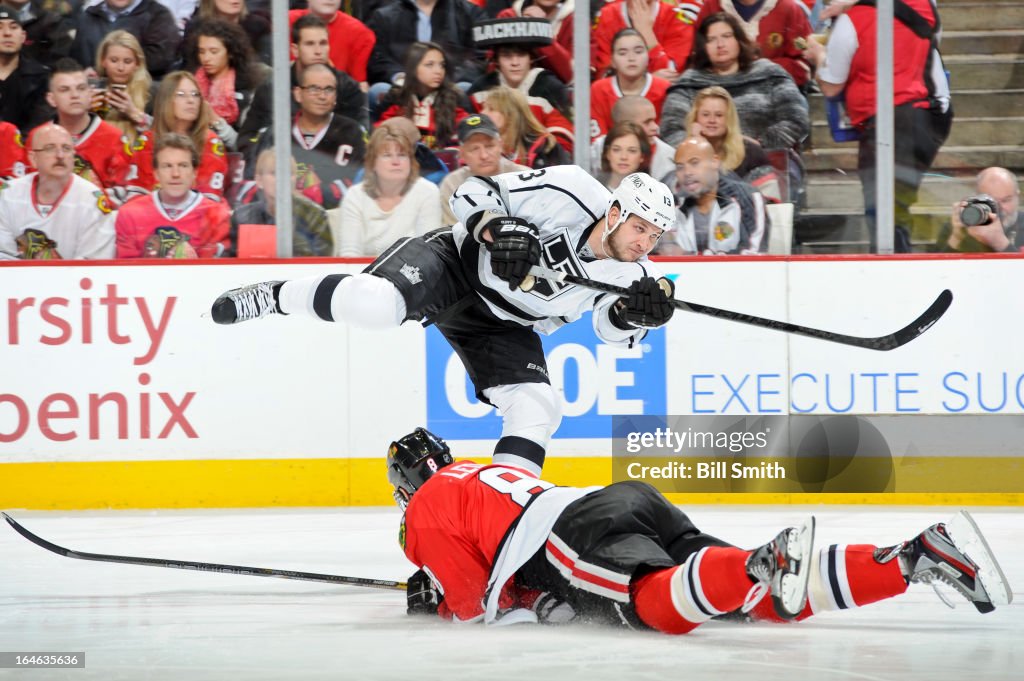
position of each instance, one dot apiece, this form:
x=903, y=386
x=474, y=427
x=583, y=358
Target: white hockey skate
x=248, y=302
x=956, y=554
x=782, y=568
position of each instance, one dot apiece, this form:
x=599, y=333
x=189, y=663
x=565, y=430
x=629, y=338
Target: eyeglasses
x=53, y=149
x=184, y=94
x=328, y=91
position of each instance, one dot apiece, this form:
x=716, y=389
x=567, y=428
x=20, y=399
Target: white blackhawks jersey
x=80, y=221
x=565, y=203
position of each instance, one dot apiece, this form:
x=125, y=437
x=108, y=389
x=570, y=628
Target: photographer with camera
x=988, y=222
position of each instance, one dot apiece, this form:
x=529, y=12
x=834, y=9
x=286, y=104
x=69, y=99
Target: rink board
x=118, y=391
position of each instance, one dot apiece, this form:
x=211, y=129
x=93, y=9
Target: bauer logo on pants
x=594, y=380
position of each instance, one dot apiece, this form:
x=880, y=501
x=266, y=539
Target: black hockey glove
x=648, y=304
x=422, y=598
x=516, y=248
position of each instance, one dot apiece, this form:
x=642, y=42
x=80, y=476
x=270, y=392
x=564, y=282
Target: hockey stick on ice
x=887, y=342
x=205, y=567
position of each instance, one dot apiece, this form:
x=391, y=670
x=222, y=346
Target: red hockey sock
x=711, y=582
x=843, y=577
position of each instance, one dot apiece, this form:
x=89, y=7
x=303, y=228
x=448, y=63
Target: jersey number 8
x=513, y=483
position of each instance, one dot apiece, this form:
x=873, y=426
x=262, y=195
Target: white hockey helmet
x=640, y=194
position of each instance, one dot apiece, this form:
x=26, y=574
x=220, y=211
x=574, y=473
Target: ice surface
x=137, y=622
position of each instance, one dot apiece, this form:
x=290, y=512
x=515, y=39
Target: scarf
x=220, y=93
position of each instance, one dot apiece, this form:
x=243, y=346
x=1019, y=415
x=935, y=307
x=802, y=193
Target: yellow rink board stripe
x=362, y=482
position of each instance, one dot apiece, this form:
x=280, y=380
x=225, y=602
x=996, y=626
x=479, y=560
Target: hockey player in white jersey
x=472, y=281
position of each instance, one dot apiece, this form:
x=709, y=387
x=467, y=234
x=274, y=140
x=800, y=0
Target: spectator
x=96, y=142
x=922, y=115
x=22, y=79
x=12, y=152
x=427, y=96
x=226, y=74
x=122, y=62
x=558, y=55
x=311, y=233
x=391, y=202
x=513, y=66
x=640, y=110
x=155, y=225
x=351, y=41
x=629, y=76
x=148, y=20
x=400, y=23
x=255, y=26
x=431, y=166
x=181, y=10
x=770, y=106
x=626, y=150
x=180, y=108
x=480, y=152
x=329, y=148
x=779, y=28
x=714, y=118
x=53, y=207
x=719, y=214
x=1003, y=232
x=48, y=33
x=667, y=30
x=524, y=139
x=309, y=46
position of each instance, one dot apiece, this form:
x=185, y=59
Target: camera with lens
x=979, y=210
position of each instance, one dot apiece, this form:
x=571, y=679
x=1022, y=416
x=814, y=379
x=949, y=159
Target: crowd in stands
x=146, y=125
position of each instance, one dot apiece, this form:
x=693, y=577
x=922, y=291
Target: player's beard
x=615, y=251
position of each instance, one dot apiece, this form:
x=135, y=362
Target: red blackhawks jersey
x=674, y=27
x=96, y=157
x=423, y=115
x=13, y=160
x=205, y=221
x=456, y=528
x=605, y=92
x=210, y=176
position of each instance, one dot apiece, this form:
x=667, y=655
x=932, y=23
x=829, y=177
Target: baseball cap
x=470, y=125
x=10, y=14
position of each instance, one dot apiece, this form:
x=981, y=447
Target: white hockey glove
x=515, y=249
x=647, y=305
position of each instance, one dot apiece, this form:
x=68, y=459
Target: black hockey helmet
x=412, y=459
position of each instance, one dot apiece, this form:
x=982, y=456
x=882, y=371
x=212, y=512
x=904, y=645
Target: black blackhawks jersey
x=565, y=203
x=327, y=160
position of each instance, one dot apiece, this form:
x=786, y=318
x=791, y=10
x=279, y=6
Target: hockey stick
x=205, y=567
x=887, y=342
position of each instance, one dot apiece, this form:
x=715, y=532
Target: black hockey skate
x=956, y=554
x=245, y=303
x=782, y=567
